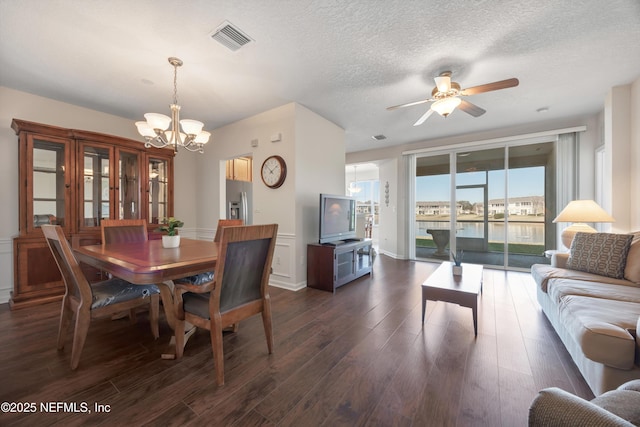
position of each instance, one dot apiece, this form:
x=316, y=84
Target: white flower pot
x=457, y=270
x=170, y=241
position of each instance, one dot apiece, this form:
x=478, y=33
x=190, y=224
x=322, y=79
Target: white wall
x=234, y=140
x=25, y=106
x=617, y=140
x=319, y=168
x=313, y=149
x=634, y=188
x=388, y=220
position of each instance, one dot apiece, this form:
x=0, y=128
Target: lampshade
x=181, y=136
x=445, y=106
x=145, y=130
x=578, y=212
x=203, y=137
x=443, y=83
x=191, y=127
x=583, y=211
x=158, y=121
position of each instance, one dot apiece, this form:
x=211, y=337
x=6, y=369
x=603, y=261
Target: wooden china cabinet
x=75, y=179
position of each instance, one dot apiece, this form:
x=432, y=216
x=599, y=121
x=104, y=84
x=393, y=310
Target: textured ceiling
x=345, y=60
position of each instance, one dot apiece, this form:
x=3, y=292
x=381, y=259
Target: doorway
x=239, y=189
x=362, y=183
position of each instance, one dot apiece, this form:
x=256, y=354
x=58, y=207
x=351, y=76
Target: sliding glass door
x=487, y=204
x=433, y=207
x=480, y=186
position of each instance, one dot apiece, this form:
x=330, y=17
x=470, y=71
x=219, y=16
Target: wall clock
x=274, y=171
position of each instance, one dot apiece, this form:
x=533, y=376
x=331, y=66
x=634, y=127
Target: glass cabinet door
x=158, y=190
x=128, y=187
x=97, y=185
x=50, y=183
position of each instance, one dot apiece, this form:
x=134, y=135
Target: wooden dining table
x=146, y=263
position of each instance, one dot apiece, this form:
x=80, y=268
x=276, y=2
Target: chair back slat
x=123, y=230
x=74, y=280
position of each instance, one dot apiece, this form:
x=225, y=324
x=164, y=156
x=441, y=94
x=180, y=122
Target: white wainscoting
x=284, y=263
x=284, y=257
x=6, y=269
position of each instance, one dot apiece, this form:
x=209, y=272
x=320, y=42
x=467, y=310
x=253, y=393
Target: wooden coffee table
x=463, y=290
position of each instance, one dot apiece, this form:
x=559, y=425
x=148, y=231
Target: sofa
x=591, y=296
x=554, y=407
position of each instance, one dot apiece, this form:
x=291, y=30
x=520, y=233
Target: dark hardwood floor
x=359, y=357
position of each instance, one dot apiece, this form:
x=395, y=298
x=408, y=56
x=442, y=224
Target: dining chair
x=207, y=276
x=226, y=223
x=123, y=230
x=86, y=302
x=238, y=291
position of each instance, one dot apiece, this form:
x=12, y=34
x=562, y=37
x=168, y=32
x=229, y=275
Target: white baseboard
x=287, y=286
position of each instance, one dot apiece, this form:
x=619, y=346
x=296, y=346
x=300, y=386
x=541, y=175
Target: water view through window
x=499, y=207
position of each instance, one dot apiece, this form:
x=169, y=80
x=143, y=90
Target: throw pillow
x=600, y=253
x=632, y=269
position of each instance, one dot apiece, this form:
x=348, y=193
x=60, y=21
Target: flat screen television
x=337, y=218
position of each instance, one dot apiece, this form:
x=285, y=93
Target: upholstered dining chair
x=123, y=230
x=85, y=302
x=226, y=223
x=238, y=290
x=207, y=276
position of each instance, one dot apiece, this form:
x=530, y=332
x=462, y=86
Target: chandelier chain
x=175, y=83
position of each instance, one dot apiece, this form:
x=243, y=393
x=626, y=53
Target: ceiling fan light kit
x=445, y=106
x=446, y=97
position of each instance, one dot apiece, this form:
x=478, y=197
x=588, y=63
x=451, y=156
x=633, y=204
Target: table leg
x=166, y=293
x=474, y=309
x=424, y=304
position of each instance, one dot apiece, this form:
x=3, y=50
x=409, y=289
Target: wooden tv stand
x=331, y=266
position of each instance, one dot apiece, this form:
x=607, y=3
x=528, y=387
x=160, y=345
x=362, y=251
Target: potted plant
x=171, y=239
x=457, y=263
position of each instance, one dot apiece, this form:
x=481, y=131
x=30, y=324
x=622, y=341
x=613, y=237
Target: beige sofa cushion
x=632, y=269
x=600, y=253
x=559, y=288
x=542, y=273
x=601, y=328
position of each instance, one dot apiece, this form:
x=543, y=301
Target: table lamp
x=578, y=212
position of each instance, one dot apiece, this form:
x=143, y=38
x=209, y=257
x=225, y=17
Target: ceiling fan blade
x=502, y=84
x=470, y=108
x=424, y=117
x=409, y=104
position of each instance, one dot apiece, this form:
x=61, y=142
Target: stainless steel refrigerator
x=240, y=200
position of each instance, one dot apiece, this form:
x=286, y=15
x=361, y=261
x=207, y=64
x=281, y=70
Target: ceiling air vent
x=230, y=36
x=379, y=137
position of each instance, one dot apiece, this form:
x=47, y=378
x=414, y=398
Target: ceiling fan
x=446, y=97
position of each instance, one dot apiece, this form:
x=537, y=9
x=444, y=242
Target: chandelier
x=157, y=133
x=353, y=186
